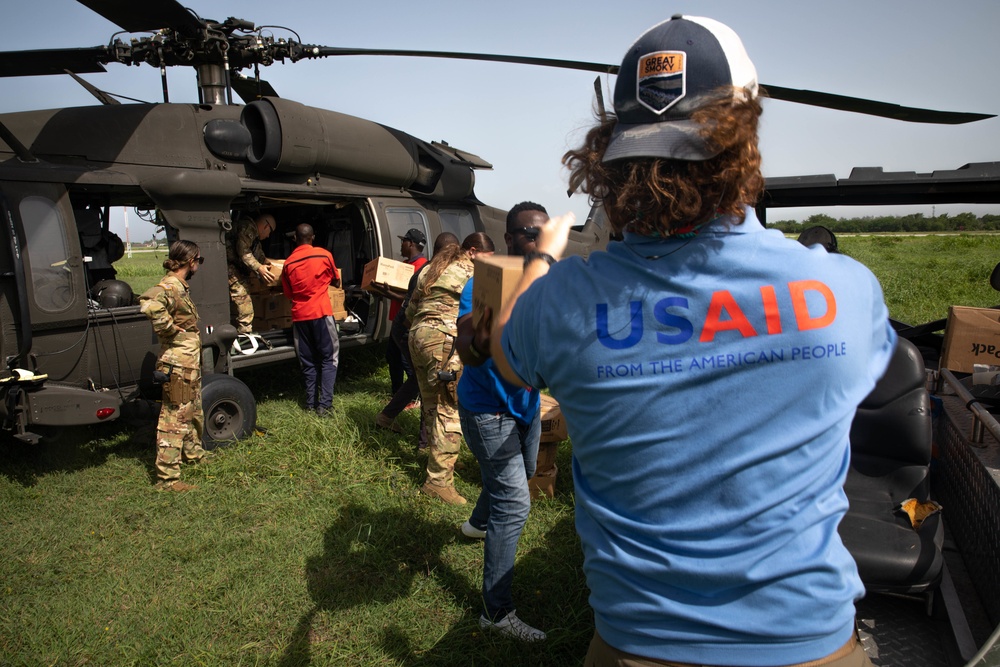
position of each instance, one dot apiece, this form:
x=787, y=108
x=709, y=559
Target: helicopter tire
x=230, y=410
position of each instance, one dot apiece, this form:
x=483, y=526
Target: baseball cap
x=672, y=70
x=415, y=235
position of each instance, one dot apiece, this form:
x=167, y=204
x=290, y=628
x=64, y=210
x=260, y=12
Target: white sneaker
x=472, y=532
x=512, y=626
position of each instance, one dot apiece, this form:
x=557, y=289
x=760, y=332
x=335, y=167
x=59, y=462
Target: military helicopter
x=194, y=169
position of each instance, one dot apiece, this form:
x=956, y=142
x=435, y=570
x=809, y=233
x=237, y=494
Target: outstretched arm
x=551, y=241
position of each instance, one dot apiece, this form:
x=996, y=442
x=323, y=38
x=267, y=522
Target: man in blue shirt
x=500, y=422
x=709, y=371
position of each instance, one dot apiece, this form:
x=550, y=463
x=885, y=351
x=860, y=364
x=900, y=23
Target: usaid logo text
x=724, y=314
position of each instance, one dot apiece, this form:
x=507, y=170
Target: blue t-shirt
x=481, y=389
x=709, y=385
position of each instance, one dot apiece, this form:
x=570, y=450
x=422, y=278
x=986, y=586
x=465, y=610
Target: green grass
x=144, y=269
x=922, y=275
x=312, y=545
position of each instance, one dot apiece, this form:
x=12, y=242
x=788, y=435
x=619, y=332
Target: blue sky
x=522, y=119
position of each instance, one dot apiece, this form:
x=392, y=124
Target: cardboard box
x=553, y=422
x=385, y=271
x=283, y=322
x=972, y=336
x=546, y=456
x=336, y=298
x=337, y=302
x=264, y=324
x=495, y=279
x=257, y=285
x=274, y=306
x=543, y=484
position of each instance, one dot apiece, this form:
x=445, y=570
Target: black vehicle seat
x=890, y=462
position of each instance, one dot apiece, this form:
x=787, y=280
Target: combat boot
x=383, y=421
x=174, y=485
x=446, y=493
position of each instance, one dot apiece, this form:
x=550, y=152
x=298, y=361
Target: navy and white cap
x=671, y=71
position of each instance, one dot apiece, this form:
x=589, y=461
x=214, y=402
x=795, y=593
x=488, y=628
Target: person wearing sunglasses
x=502, y=427
x=174, y=317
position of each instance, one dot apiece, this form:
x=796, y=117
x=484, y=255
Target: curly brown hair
x=657, y=196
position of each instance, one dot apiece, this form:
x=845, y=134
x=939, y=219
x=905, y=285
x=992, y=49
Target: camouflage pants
x=242, y=305
x=438, y=403
x=178, y=433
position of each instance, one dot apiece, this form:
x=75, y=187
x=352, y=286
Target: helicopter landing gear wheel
x=230, y=410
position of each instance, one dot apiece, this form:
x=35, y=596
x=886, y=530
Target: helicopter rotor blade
x=872, y=107
x=313, y=51
x=809, y=97
x=53, y=61
x=147, y=15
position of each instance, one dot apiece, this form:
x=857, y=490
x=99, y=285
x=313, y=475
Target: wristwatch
x=533, y=255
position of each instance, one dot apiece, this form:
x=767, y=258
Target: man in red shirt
x=307, y=274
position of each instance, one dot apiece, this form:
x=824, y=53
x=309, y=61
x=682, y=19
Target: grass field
x=311, y=545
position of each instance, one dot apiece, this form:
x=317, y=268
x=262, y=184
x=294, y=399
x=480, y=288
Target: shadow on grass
x=371, y=558
x=76, y=448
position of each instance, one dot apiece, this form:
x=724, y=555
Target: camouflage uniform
x=169, y=307
x=432, y=333
x=243, y=254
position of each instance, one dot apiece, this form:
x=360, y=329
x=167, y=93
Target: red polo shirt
x=307, y=274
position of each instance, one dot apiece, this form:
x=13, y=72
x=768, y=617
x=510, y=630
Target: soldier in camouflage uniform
x=433, y=312
x=169, y=307
x=245, y=256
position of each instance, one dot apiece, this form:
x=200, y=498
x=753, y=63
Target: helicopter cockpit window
x=48, y=253
x=402, y=219
x=457, y=221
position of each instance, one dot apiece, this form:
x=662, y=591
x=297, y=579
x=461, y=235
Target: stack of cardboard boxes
x=271, y=310
x=553, y=432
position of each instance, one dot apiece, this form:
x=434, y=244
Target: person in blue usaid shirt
x=501, y=424
x=708, y=370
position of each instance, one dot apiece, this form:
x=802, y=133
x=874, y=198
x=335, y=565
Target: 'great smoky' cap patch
x=671, y=71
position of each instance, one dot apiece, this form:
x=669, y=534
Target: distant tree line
x=915, y=222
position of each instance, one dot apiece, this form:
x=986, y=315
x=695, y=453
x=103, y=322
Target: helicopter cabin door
x=43, y=271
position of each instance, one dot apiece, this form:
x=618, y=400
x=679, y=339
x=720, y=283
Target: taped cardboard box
x=553, y=422
x=495, y=279
x=971, y=337
x=385, y=271
x=543, y=484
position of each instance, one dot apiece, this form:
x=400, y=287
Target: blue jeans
x=507, y=453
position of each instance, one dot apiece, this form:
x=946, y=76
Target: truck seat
x=890, y=462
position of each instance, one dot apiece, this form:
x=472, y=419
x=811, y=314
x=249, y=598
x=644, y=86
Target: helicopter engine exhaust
x=290, y=137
